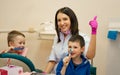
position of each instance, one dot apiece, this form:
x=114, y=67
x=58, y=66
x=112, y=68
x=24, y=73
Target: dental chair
x=31, y=66
x=92, y=68
x=23, y=59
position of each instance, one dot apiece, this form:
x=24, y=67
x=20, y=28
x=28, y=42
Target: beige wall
x=23, y=14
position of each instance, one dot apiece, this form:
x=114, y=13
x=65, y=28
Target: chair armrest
x=27, y=61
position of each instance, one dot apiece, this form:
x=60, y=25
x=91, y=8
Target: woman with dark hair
x=66, y=25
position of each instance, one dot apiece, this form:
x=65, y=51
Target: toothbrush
x=18, y=48
x=71, y=50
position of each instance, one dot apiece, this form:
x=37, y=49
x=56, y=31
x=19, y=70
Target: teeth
x=63, y=26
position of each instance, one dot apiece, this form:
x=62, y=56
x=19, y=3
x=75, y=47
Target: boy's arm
x=63, y=70
x=66, y=61
x=4, y=51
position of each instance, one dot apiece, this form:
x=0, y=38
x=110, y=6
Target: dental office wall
x=25, y=14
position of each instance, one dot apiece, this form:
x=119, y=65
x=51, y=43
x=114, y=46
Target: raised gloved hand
x=93, y=23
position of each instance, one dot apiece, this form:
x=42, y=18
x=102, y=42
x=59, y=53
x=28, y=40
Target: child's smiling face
x=18, y=42
x=75, y=49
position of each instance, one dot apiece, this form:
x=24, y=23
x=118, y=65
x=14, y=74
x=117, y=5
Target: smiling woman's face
x=63, y=22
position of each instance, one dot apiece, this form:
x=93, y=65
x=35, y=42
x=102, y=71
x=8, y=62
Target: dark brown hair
x=78, y=38
x=74, y=22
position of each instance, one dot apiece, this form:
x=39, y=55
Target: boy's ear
x=11, y=43
x=82, y=49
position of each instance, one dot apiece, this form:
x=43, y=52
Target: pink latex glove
x=93, y=23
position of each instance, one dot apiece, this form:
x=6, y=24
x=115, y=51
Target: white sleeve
x=52, y=56
x=87, y=41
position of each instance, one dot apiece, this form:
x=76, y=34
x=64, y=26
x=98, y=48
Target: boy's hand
x=17, y=50
x=4, y=51
x=66, y=60
x=93, y=23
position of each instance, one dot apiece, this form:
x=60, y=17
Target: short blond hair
x=12, y=34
